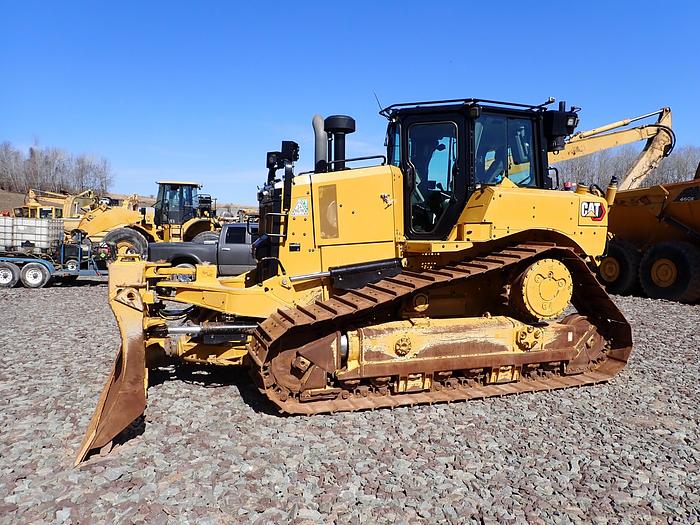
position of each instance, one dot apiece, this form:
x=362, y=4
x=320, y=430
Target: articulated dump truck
x=657, y=242
x=448, y=270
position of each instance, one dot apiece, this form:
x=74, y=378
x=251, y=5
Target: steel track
x=280, y=331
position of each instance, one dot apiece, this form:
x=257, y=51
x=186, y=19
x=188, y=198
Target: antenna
x=378, y=103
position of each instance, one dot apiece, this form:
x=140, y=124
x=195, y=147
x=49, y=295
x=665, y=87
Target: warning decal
x=301, y=208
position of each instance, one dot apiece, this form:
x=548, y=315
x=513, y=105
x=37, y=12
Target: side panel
x=342, y=218
x=299, y=253
x=511, y=210
x=354, y=206
x=345, y=254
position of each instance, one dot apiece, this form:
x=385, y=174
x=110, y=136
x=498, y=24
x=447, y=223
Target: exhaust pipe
x=321, y=145
x=337, y=126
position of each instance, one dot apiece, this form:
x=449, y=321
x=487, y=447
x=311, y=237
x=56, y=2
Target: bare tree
x=52, y=169
x=600, y=167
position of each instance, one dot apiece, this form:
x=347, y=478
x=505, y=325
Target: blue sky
x=202, y=90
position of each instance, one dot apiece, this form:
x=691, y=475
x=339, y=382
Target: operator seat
x=497, y=167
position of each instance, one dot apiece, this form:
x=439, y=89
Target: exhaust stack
x=337, y=126
x=321, y=145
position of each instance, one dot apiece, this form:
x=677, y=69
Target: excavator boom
x=659, y=137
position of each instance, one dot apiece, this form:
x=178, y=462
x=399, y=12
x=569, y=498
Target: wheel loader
x=448, y=269
x=179, y=214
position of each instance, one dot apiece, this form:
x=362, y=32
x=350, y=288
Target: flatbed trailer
x=36, y=270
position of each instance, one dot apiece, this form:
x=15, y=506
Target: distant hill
x=10, y=200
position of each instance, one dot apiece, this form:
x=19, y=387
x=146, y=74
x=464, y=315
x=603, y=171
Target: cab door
x=433, y=155
x=235, y=255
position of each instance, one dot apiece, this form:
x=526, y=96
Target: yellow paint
x=360, y=202
x=544, y=289
x=356, y=216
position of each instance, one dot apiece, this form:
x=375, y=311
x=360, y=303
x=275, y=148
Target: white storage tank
x=29, y=235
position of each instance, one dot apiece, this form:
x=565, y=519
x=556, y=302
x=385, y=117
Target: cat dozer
x=449, y=270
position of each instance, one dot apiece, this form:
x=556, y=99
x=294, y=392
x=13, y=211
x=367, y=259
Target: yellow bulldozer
x=180, y=213
x=448, y=270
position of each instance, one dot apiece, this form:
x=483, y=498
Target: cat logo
x=594, y=210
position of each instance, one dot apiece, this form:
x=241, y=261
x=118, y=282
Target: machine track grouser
x=451, y=271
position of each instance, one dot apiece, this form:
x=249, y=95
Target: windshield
x=504, y=148
x=175, y=203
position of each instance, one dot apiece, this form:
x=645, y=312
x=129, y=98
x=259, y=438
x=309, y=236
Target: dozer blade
x=123, y=398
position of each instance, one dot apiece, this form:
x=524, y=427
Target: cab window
x=432, y=154
x=235, y=236
x=504, y=148
x=393, y=139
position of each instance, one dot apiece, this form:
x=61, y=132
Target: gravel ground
x=213, y=451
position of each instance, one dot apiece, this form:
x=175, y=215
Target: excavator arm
x=659, y=137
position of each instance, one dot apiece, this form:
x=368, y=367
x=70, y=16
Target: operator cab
x=179, y=202
x=449, y=149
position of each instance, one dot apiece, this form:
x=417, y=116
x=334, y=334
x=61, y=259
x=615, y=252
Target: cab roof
x=181, y=183
x=459, y=103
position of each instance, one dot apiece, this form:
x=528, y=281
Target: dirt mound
x=9, y=200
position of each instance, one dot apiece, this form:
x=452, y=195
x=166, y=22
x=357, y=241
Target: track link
x=284, y=329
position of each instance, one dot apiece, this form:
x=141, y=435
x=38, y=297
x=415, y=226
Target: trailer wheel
x=619, y=269
x=9, y=274
x=671, y=270
x=34, y=275
x=203, y=237
x=127, y=241
x=73, y=265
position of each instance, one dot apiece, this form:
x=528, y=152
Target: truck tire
x=619, y=269
x=203, y=237
x=9, y=274
x=184, y=278
x=671, y=270
x=127, y=241
x=34, y=275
